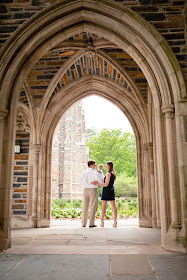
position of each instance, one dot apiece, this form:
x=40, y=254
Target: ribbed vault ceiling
x=91, y=63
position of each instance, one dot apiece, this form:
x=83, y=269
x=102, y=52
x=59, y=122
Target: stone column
x=158, y=142
x=147, y=192
x=36, y=195
x=4, y=191
x=169, y=114
x=145, y=214
x=153, y=197
x=3, y=115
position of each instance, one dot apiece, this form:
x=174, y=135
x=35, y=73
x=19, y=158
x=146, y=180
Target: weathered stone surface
x=25, y=150
x=18, y=168
x=3, y=9
x=39, y=3
x=7, y=1
x=21, y=201
x=17, y=206
x=21, y=179
x=21, y=157
x=16, y=196
x=69, y=154
x=16, y=185
x=134, y=264
x=7, y=29
x=19, y=212
x=153, y=16
x=21, y=173
x=23, y=15
x=171, y=267
x=174, y=36
x=21, y=169
x=185, y=128
x=21, y=162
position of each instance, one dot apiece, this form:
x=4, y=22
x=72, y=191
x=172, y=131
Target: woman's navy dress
x=108, y=192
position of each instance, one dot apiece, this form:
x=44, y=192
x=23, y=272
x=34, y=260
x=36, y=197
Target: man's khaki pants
x=90, y=196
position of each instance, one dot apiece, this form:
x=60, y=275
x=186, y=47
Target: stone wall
x=167, y=16
x=69, y=153
x=20, y=179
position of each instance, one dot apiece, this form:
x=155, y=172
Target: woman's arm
x=107, y=180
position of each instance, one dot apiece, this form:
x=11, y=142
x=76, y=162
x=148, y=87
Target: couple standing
x=90, y=180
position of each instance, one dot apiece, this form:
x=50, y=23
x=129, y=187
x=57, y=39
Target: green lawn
x=67, y=209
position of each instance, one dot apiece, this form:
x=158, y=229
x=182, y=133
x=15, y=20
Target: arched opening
x=95, y=129
x=155, y=136
x=127, y=106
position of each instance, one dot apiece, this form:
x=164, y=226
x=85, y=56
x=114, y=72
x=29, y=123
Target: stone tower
x=69, y=153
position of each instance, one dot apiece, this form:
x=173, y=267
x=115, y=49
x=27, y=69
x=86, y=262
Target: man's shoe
x=83, y=226
x=93, y=226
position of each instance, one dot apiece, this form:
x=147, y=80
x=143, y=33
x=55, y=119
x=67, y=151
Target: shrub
x=125, y=186
x=126, y=208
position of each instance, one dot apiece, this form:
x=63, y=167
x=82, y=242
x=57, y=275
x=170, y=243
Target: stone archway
x=165, y=148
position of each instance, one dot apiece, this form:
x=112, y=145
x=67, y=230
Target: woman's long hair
x=111, y=167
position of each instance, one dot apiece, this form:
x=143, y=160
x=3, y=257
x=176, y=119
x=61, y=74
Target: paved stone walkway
x=68, y=237
x=66, y=251
x=91, y=267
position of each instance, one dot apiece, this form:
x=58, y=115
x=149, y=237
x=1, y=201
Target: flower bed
x=67, y=209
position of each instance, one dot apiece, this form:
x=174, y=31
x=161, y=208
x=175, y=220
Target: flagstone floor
x=68, y=251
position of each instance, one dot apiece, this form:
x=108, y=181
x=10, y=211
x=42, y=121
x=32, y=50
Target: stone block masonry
x=20, y=176
x=167, y=16
x=69, y=154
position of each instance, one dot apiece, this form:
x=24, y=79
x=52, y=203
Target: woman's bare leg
x=104, y=205
x=114, y=209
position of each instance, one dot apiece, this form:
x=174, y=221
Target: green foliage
x=115, y=146
x=126, y=208
x=90, y=132
x=125, y=186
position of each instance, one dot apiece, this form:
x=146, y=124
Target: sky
x=100, y=113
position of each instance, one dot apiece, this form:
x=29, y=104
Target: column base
x=143, y=222
x=176, y=225
x=174, y=246
x=22, y=222
x=154, y=222
x=43, y=223
x=172, y=241
x=5, y=244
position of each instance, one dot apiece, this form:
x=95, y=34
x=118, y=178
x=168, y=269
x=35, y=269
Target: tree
x=115, y=146
x=90, y=132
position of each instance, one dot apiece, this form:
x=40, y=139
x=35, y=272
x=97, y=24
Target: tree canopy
x=116, y=146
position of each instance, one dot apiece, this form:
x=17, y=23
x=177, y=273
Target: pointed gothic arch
x=146, y=46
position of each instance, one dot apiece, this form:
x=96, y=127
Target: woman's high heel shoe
x=102, y=224
x=115, y=224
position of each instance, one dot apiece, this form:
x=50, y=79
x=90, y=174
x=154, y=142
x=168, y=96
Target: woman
x=108, y=192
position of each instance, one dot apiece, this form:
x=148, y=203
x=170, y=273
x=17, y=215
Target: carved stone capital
x=36, y=148
x=36, y=151
x=90, y=50
x=150, y=146
x=3, y=114
x=22, y=122
x=150, y=150
x=168, y=111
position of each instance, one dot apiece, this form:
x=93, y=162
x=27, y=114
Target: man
x=90, y=193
